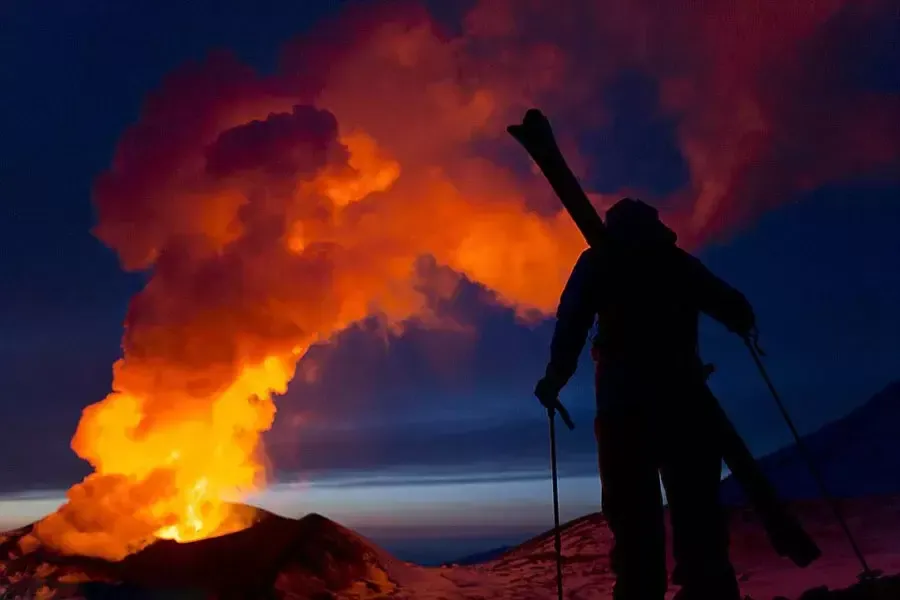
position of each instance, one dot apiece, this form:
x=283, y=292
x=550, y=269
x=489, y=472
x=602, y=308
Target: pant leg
x=632, y=505
x=691, y=467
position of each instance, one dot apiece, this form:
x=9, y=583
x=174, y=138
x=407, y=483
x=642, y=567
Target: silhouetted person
x=646, y=295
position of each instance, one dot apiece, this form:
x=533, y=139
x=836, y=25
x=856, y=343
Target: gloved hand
x=744, y=320
x=547, y=391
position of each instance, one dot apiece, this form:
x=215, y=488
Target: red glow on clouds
x=275, y=211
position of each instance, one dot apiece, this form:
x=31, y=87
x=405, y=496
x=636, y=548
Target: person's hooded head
x=636, y=223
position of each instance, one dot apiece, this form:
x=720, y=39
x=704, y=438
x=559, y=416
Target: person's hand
x=547, y=391
x=752, y=341
x=746, y=328
x=744, y=321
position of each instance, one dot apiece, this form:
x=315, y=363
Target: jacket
x=646, y=299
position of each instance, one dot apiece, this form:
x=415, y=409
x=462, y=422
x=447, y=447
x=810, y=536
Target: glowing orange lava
x=270, y=213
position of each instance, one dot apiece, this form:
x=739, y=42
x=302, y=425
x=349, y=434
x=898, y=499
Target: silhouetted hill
x=859, y=455
x=314, y=558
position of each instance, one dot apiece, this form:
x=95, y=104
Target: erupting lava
x=271, y=213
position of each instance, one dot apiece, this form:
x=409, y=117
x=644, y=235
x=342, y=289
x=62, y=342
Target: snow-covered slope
x=859, y=455
x=316, y=558
x=528, y=571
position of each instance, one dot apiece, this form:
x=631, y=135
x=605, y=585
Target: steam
x=273, y=212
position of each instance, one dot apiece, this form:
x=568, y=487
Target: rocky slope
x=311, y=557
x=314, y=558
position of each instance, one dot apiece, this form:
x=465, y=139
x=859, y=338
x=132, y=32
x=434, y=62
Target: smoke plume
x=272, y=212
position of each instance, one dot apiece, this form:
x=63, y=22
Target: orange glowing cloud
x=273, y=212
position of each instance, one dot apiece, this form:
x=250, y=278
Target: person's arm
x=719, y=300
x=574, y=319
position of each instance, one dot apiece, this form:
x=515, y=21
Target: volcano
x=316, y=558
x=311, y=557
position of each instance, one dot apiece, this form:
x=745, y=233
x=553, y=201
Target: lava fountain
x=269, y=213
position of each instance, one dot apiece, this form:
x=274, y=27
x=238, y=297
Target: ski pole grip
x=564, y=415
x=751, y=339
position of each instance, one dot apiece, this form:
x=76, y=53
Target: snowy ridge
x=859, y=455
x=528, y=571
x=313, y=557
x=316, y=558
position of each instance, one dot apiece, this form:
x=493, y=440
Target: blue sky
x=411, y=451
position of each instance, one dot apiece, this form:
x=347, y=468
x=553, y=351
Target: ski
x=784, y=530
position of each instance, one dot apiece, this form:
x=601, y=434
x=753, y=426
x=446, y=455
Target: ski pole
x=557, y=535
x=752, y=342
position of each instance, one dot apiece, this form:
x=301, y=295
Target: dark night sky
x=822, y=271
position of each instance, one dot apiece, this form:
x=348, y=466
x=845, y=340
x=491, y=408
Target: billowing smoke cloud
x=273, y=212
